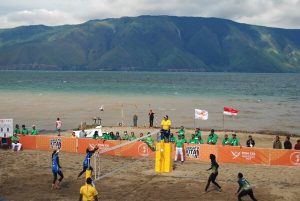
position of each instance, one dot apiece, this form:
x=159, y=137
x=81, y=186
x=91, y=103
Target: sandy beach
x=42, y=109
x=27, y=175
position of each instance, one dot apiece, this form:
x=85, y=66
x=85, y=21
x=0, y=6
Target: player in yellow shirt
x=88, y=192
x=165, y=128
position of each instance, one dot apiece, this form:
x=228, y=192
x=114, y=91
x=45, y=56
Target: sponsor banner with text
x=243, y=155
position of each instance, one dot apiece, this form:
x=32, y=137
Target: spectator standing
x=24, y=130
x=88, y=192
x=34, y=131
x=58, y=125
x=151, y=118
x=73, y=135
x=297, y=146
x=135, y=119
x=17, y=129
x=277, y=143
x=250, y=142
x=179, y=148
x=82, y=133
x=198, y=134
x=287, y=143
x=96, y=135
x=165, y=126
x=181, y=131
x=15, y=142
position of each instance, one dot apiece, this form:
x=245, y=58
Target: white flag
x=201, y=114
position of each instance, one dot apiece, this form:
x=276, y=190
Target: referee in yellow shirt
x=88, y=192
x=165, y=128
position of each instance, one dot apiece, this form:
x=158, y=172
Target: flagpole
x=223, y=124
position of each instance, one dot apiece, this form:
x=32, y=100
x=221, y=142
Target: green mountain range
x=151, y=43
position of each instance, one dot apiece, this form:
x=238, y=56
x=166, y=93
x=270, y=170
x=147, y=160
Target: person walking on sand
x=58, y=125
x=244, y=188
x=56, y=169
x=151, y=118
x=87, y=160
x=212, y=177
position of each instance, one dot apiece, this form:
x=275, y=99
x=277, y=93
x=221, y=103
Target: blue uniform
x=55, y=164
x=87, y=160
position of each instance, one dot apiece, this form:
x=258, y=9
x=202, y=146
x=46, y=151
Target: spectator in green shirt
x=193, y=140
x=126, y=136
x=179, y=148
x=132, y=136
x=150, y=142
x=234, y=141
x=212, y=138
x=105, y=136
x=181, y=131
x=17, y=129
x=24, y=130
x=34, y=131
x=96, y=135
x=198, y=133
x=111, y=136
x=15, y=142
x=226, y=140
x=141, y=135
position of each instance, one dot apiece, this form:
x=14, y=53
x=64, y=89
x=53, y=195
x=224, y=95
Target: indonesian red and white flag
x=201, y=114
x=230, y=111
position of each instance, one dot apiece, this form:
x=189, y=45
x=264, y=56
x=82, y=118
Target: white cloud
x=275, y=13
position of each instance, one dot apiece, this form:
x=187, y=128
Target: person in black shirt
x=287, y=143
x=151, y=118
x=250, y=141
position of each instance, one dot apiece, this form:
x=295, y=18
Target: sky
x=271, y=13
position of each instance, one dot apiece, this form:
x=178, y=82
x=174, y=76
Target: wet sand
x=26, y=175
x=42, y=109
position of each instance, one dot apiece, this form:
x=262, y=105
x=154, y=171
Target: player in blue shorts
x=87, y=160
x=56, y=169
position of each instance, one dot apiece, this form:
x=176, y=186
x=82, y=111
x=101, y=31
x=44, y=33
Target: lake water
x=266, y=101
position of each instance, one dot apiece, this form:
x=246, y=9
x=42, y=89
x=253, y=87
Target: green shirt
x=18, y=131
x=24, y=131
x=226, y=141
x=14, y=139
x=181, y=132
x=179, y=143
x=234, y=142
x=105, y=136
x=213, y=139
x=198, y=135
x=149, y=140
x=126, y=137
x=193, y=141
x=132, y=138
x=34, y=132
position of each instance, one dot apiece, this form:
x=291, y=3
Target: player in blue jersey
x=244, y=188
x=56, y=169
x=87, y=160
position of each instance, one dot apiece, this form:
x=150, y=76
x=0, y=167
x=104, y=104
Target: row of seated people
x=25, y=131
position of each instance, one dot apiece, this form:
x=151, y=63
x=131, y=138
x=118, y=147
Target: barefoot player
x=56, y=169
x=214, y=167
x=87, y=160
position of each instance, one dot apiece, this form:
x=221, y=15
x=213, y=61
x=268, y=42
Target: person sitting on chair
x=15, y=143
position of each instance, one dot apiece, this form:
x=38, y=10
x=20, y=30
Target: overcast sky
x=272, y=13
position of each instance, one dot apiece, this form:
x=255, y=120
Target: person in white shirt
x=58, y=124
